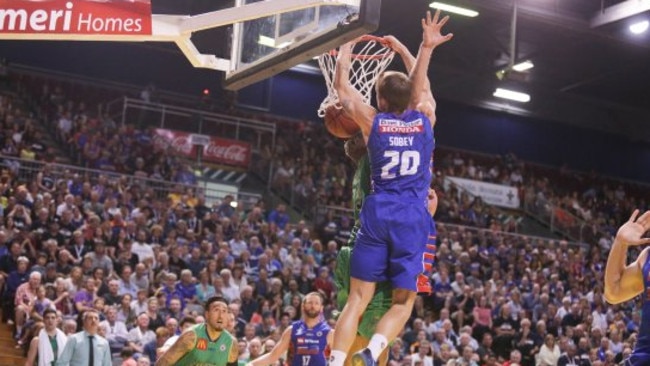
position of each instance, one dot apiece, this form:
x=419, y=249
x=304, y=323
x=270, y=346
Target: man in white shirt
x=422, y=355
x=115, y=331
x=140, y=278
x=237, y=245
x=141, y=334
x=230, y=291
x=142, y=248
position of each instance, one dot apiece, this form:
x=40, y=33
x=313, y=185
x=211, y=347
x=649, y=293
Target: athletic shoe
x=363, y=358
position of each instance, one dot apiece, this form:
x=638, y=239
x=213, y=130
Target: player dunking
x=395, y=224
x=624, y=282
x=355, y=149
x=205, y=344
x=307, y=340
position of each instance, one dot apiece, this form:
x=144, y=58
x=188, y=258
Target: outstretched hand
x=632, y=231
x=431, y=30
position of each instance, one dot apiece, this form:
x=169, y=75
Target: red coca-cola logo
x=217, y=151
x=182, y=144
x=232, y=152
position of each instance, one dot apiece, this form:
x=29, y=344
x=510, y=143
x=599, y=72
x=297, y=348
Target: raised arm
x=622, y=281
x=409, y=62
x=277, y=351
x=421, y=96
x=349, y=97
x=183, y=345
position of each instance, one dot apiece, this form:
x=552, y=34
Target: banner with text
x=218, y=151
x=493, y=194
x=114, y=17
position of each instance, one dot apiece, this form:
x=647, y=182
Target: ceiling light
x=453, y=9
x=511, y=95
x=639, y=27
x=270, y=42
x=523, y=66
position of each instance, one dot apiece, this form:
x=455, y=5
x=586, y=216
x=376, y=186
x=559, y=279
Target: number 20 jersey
x=400, y=149
x=308, y=345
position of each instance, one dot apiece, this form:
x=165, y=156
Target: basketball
x=339, y=124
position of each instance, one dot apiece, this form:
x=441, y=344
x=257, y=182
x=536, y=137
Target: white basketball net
x=367, y=63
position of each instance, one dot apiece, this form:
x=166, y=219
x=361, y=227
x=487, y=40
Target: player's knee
x=403, y=297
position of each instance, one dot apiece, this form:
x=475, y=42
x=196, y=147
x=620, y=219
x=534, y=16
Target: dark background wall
x=298, y=95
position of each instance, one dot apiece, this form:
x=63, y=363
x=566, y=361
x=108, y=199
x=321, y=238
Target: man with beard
x=305, y=340
x=208, y=343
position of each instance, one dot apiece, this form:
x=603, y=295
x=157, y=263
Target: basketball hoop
x=372, y=59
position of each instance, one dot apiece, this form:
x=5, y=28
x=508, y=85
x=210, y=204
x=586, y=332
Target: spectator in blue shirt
x=279, y=216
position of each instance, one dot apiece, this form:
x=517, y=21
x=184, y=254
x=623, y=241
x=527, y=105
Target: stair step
x=6, y=360
x=12, y=351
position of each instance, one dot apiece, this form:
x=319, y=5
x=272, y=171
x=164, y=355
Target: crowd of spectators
x=146, y=263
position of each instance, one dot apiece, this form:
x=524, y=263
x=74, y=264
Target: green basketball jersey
x=207, y=352
x=382, y=298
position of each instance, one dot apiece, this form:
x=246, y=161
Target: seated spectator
x=140, y=335
x=115, y=331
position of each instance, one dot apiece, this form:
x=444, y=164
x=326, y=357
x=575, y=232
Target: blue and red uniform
x=397, y=232
x=308, y=345
x=641, y=354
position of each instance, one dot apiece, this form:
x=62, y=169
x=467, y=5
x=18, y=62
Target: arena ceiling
x=597, y=77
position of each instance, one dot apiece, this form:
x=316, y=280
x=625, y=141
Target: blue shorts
x=396, y=243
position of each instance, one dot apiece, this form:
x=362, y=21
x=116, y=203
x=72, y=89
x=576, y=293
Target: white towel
x=45, y=355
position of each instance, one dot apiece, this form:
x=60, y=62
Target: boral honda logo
x=75, y=17
x=399, y=126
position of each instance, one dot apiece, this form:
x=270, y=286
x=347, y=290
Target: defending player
x=623, y=283
x=307, y=340
x=206, y=344
x=395, y=224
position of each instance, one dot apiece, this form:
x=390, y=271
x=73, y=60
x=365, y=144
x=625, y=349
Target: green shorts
x=378, y=306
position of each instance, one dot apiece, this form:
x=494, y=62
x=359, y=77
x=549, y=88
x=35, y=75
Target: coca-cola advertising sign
x=218, y=151
x=108, y=17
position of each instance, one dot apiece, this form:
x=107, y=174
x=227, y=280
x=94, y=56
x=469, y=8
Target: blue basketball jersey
x=400, y=150
x=642, y=348
x=308, y=345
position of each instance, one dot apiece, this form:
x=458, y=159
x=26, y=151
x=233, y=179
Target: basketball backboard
x=265, y=46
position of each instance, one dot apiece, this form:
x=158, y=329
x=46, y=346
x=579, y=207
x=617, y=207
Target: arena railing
x=260, y=134
x=26, y=172
x=561, y=220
